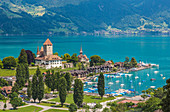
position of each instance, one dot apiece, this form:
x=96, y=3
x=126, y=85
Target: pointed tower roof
x=42, y=49
x=38, y=52
x=81, y=51
x=48, y=42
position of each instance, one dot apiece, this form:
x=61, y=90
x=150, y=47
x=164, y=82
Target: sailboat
x=147, y=74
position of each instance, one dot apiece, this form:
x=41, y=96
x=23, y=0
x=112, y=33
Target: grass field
x=53, y=105
x=56, y=110
x=10, y=72
x=25, y=109
x=87, y=99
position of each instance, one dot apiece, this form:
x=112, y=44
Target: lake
x=146, y=48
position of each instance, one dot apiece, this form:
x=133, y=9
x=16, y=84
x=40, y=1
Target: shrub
x=2, y=97
x=73, y=107
x=106, y=109
x=98, y=105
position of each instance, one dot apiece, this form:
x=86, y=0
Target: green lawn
x=25, y=109
x=10, y=72
x=87, y=99
x=56, y=110
x=53, y=105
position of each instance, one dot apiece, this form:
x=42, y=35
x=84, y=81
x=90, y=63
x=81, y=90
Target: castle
x=46, y=58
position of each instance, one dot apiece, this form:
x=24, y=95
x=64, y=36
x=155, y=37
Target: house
x=67, y=65
x=45, y=57
x=82, y=58
x=119, y=64
x=78, y=73
x=101, y=68
x=7, y=89
x=108, y=63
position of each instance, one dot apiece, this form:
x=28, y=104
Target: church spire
x=38, y=52
x=81, y=51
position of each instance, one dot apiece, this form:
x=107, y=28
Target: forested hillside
x=76, y=16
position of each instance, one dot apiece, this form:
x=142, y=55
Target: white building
x=46, y=58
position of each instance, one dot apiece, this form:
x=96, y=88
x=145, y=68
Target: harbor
x=128, y=84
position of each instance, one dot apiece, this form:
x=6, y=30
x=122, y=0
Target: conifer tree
x=22, y=57
x=133, y=62
x=34, y=87
x=27, y=75
x=29, y=92
x=101, y=85
x=40, y=87
x=62, y=90
x=68, y=80
x=78, y=92
x=20, y=75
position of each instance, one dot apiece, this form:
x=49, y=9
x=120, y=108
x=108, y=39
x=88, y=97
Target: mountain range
x=76, y=16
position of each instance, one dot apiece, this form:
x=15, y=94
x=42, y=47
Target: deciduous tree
x=9, y=62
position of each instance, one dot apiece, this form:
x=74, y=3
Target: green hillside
x=75, y=16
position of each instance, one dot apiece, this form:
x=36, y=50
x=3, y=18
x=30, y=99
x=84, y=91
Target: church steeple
x=81, y=51
x=38, y=52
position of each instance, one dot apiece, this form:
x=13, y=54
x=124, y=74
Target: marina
x=128, y=84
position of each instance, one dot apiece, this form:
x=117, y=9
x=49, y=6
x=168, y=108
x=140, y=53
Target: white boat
x=163, y=78
x=84, y=84
x=117, y=81
x=152, y=86
x=156, y=72
x=161, y=75
x=122, y=85
x=140, y=83
x=147, y=74
x=136, y=77
x=110, y=83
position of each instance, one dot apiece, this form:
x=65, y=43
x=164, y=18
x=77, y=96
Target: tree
x=51, y=80
x=95, y=59
x=40, y=87
x=152, y=104
x=56, y=53
x=5, y=105
x=72, y=107
x=74, y=59
x=79, y=65
x=15, y=102
x=62, y=57
x=9, y=62
x=121, y=107
x=101, y=85
x=3, y=82
x=67, y=57
x=34, y=87
x=27, y=75
x=15, y=88
x=1, y=64
x=62, y=90
x=78, y=92
x=102, y=61
x=106, y=109
x=68, y=80
x=133, y=62
x=29, y=92
x=20, y=75
x=127, y=63
x=159, y=93
x=166, y=101
x=30, y=56
x=22, y=57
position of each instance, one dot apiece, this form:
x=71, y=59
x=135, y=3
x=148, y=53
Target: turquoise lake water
x=145, y=48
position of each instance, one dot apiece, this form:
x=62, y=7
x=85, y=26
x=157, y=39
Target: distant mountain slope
x=75, y=16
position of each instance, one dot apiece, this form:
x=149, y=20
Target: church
x=45, y=57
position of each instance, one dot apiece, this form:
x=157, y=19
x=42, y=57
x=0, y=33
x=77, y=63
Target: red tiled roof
x=8, y=89
x=47, y=42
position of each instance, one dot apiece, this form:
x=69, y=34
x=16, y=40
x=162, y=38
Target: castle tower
x=48, y=47
x=38, y=52
x=81, y=51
